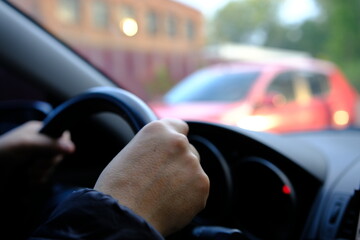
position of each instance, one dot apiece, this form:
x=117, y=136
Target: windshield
x=156, y=48
x=209, y=86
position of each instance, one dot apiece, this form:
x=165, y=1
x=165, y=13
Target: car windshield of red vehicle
x=212, y=86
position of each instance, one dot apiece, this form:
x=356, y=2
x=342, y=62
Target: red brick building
x=144, y=45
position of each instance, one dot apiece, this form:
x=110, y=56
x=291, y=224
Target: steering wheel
x=75, y=111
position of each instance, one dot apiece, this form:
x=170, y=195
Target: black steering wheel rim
x=97, y=100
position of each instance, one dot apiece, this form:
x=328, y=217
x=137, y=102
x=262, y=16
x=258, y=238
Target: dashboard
x=267, y=186
x=294, y=186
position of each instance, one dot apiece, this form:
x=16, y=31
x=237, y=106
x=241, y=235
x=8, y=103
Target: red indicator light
x=286, y=190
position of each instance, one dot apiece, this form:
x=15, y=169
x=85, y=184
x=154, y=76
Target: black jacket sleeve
x=88, y=214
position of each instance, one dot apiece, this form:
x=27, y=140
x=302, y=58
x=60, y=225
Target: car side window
x=319, y=84
x=283, y=85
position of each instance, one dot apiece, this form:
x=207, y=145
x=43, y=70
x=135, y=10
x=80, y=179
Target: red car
x=287, y=96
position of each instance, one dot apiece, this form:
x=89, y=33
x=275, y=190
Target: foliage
x=344, y=28
x=244, y=21
x=343, y=43
x=310, y=36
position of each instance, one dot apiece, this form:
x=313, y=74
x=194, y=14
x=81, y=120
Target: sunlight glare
x=129, y=27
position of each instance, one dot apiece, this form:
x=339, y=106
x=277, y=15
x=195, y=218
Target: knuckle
x=184, y=125
x=179, y=141
x=174, y=121
x=154, y=128
x=156, y=125
x=194, y=160
x=177, y=124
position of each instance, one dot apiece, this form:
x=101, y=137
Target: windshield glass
x=155, y=48
x=208, y=86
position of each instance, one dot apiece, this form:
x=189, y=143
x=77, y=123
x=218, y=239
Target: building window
x=190, y=29
x=171, y=26
x=152, y=23
x=126, y=11
x=100, y=14
x=68, y=11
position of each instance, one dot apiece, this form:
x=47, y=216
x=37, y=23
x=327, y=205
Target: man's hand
x=24, y=144
x=158, y=175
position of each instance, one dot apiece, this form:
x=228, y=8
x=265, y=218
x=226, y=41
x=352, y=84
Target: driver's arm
x=89, y=214
x=156, y=186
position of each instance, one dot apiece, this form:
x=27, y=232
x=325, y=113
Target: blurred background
x=147, y=47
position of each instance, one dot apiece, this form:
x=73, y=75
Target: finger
x=33, y=126
x=65, y=144
x=194, y=151
x=66, y=136
x=62, y=145
x=179, y=125
x=44, y=144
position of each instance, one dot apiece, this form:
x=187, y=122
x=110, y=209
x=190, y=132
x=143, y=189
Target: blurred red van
x=287, y=96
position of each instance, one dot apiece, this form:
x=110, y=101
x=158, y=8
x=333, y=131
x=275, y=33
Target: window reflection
x=100, y=14
x=171, y=26
x=127, y=11
x=68, y=11
x=190, y=29
x=152, y=23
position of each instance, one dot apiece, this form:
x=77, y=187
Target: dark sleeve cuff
x=88, y=214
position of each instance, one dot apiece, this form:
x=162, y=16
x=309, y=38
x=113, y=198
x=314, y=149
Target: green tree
x=343, y=43
x=309, y=36
x=344, y=28
x=244, y=21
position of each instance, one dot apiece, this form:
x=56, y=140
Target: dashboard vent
x=348, y=225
